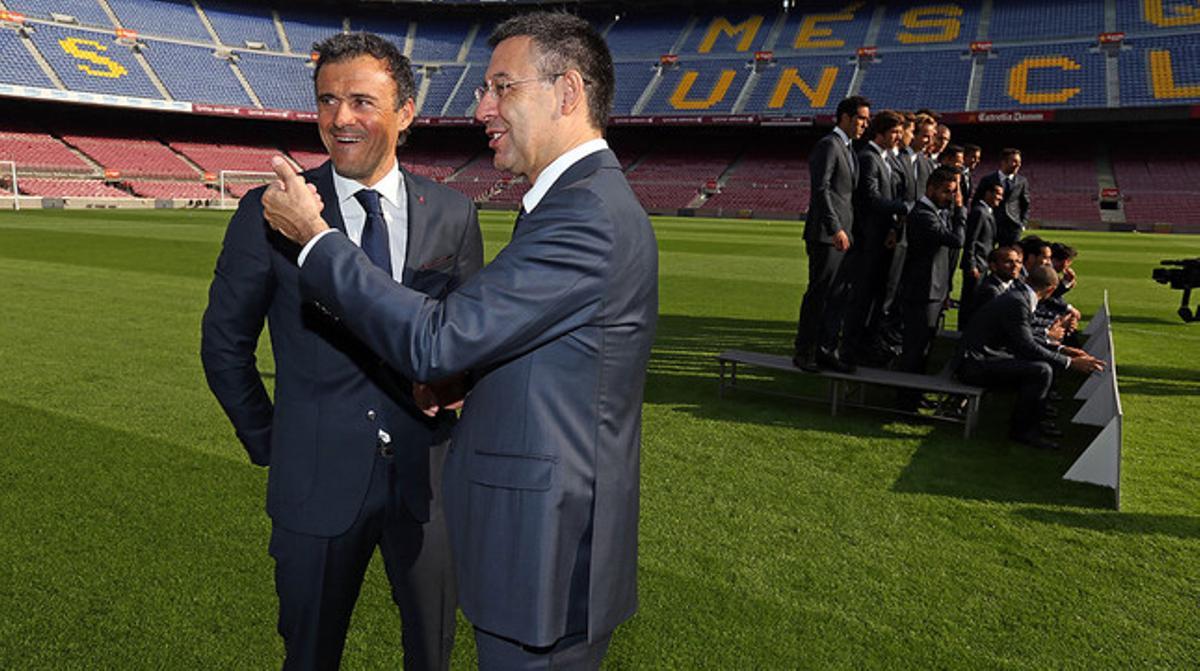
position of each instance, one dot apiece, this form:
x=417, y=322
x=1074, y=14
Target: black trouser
x=824, y=264
x=569, y=653
x=1007, y=234
x=966, y=299
x=920, y=325
x=318, y=579
x=1031, y=378
x=869, y=290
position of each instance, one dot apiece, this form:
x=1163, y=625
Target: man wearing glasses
x=541, y=482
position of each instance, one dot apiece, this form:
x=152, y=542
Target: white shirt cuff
x=308, y=247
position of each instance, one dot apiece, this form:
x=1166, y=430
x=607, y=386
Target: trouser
x=569, y=653
x=318, y=579
x=864, y=316
x=1031, y=378
x=824, y=265
x=966, y=299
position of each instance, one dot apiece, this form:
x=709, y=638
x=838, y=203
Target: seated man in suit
x=354, y=463
x=981, y=235
x=936, y=225
x=1004, y=267
x=998, y=350
x=1013, y=213
x=541, y=483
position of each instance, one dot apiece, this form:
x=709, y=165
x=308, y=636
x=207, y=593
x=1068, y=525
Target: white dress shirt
x=393, y=199
x=557, y=167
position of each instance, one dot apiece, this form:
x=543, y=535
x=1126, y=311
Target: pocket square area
x=439, y=262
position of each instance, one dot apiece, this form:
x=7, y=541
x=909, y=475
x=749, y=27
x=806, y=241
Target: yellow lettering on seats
x=679, y=99
x=790, y=78
x=75, y=47
x=1155, y=12
x=808, y=35
x=943, y=18
x=720, y=25
x=1018, y=80
x=1162, y=78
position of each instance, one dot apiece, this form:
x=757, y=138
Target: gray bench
x=843, y=386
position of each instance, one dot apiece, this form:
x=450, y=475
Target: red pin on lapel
x=421, y=199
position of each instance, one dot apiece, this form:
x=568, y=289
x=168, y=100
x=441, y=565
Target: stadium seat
x=195, y=74
x=164, y=18
x=92, y=62
x=241, y=23
x=86, y=12
x=40, y=153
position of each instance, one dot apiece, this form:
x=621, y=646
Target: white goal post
x=12, y=184
x=221, y=181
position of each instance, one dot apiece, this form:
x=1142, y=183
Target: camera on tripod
x=1183, y=274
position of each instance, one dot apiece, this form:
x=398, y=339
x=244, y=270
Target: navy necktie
x=375, y=232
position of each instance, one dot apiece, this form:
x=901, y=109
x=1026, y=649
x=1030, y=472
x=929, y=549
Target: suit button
x=371, y=415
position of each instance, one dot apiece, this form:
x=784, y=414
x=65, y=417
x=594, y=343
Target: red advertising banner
x=977, y=47
x=252, y=112
x=867, y=52
x=11, y=17
x=1112, y=38
x=126, y=34
x=764, y=55
x=1110, y=193
x=1000, y=116
x=668, y=59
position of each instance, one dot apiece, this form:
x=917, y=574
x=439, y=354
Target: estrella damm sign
x=89, y=51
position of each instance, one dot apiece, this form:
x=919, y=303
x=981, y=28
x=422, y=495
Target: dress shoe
x=1037, y=442
x=1050, y=412
x=827, y=361
x=805, y=363
x=1054, y=396
x=1048, y=428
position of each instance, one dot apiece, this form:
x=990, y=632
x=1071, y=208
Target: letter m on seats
x=748, y=29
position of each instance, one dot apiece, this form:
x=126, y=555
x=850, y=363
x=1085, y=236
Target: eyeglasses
x=500, y=89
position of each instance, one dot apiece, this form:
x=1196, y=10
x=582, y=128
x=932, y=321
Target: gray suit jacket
x=832, y=175
x=1003, y=329
x=981, y=235
x=875, y=206
x=1013, y=213
x=332, y=394
x=927, y=264
x=542, y=479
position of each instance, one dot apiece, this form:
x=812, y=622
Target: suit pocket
x=440, y=263
x=509, y=471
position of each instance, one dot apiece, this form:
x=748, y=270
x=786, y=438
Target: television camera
x=1181, y=274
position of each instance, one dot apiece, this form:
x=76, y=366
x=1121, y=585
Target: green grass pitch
x=132, y=531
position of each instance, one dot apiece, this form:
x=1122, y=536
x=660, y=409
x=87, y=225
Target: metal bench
x=845, y=386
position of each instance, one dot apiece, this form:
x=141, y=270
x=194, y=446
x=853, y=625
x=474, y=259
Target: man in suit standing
x=828, y=231
x=354, y=464
x=1013, y=213
x=935, y=226
x=877, y=220
x=981, y=234
x=542, y=478
x=972, y=153
x=998, y=350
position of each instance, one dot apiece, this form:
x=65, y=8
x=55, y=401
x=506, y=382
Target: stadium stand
x=196, y=74
x=707, y=86
x=170, y=190
x=86, y=12
x=1018, y=21
x=393, y=29
x=69, y=188
x=17, y=65
x=645, y=35
x=437, y=40
x=280, y=82
x=728, y=34
x=895, y=79
x=216, y=157
x=1160, y=69
x=782, y=86
x=132, y=156
x=765, y=179
x=442, y=84
x=306, y=27
x=92, y=62
x=1069, y=75
x=241, y=24
x=166, y=18
x=40, y=153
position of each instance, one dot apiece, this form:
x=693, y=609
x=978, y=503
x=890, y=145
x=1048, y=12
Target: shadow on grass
x=683, y=372
x=1179, y=526
x=1140, y=371
x=1137, y=319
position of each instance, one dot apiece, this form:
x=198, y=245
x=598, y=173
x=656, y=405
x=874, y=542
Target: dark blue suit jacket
x=542, y=478
x=833, y=174
x=332, y=394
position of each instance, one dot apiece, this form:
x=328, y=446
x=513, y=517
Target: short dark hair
x=849, y=106
x=1042, y=277
x=567, y=42
x=1032, y=244
x=972, y=149
x=347, y=46
x=943, y=174
x=1062, y=251
x=884, y=122
x=997, y=254
x=952, y=149
x=1009, y=152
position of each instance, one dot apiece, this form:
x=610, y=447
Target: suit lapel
x=418, y=223
x=332, y=212
x=582, y=168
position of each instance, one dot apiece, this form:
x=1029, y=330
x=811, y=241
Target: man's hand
x=890, y=242
x=1086, y=364
x=1073, y=351
x=841, y=241
x=1056, y=331
x=975, y=273
x=445, y=394
x=292, y=206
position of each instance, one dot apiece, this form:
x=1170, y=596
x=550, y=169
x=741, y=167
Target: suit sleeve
x=238, y=300
x=540, y=287
x=930, y=232
x=823, y=170
x=876, y=188
x=470, y=249
x=971, y=242
x=1023, y=201
x=1018, y=328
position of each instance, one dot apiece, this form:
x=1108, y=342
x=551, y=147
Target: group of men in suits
x=887, y=231
x=523, y=511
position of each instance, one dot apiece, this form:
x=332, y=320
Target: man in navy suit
x=1013, y=213
x=828, y=235
x=978, y=245
x=354, y=463
x=542, y=478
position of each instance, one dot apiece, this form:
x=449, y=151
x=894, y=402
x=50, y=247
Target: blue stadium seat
x=239, y=22
x=305, y=28
x=1178, y=85
x=704, y=96
x=480, y=51
x=631, y=80
x=1034, y=20
x=16, y=65
x=810, y=69
x=847, y=31
x=393, y=29
x=1177, y=15
x=441, y=86
x=463, y=103
x=438, y=41
x=281, y=82
x=645, y=35
x=194, y=74
x=931, y=24
x=917, y=79
x=1048, y=87
x=93, y=62
x=87, y=12
x=168, y=18
x=725, y=43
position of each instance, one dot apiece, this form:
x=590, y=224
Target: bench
x=844, y=385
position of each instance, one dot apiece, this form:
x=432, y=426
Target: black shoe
x=1054, y=396
x=1048, y=428
x=1037, y=442
x=805, y=363
x=827, y=361
x=1050, y=412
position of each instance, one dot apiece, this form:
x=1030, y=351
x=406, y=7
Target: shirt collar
x=881, y=150
x=557, y=167
x=925, y=199
x=389, y=186
x=842, y=135
x=1032, y=296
